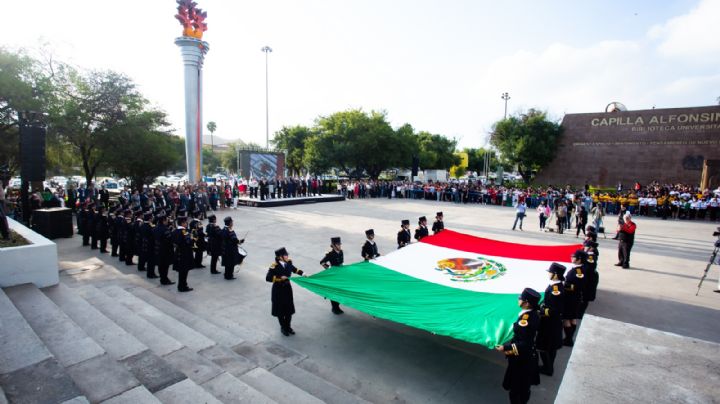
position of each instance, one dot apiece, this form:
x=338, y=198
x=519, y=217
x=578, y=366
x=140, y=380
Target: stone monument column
x=193, y=53
x=193, y=50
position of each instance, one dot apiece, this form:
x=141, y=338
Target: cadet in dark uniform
x=148, y=245
x=438, y=226
x=183, y=254
x=283, y=306
x=422, y=230
x=403, y=236
x=102, y=229
x=199, y=243
x=550, y=332
x=215, y=242
x=90, y=222
x=138, y=246
x=129, y=238
x=574, y=287
x=81, y=224
x=522, y=370
x=591, y=275
x=121, y=226
x=334, y=258
x=369, y=249
x=114, y=223
x=230, y=256
x=164, y=254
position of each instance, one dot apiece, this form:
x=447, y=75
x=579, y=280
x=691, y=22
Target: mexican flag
x=452, y=284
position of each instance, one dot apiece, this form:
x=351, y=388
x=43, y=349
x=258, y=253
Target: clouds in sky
x=440, y=66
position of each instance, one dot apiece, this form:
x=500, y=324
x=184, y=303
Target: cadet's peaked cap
x=590, y=243
x=580, y=254
x=439, y=214
x=227, y=220
x=161, y=215
x=557, y=269
x=212, y=218
x=531, y=296
x=335, y=240
x=369, y=232
x=404, y=222
x=281, y=252
x=422, y=219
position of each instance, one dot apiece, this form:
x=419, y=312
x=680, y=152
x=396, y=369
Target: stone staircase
x=124, y=343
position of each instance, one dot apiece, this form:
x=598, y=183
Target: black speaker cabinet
x=32, y=153
x=53, y=222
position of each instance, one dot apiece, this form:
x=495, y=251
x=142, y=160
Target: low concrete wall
x=34, y=263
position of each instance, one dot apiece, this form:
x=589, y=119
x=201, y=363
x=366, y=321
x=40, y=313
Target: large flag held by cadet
x=452, y=284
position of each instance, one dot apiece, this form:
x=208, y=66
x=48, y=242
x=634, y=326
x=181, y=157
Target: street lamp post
x=267, y=50
x=506, y=97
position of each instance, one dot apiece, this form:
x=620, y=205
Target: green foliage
x=211, y=161
x=87, y=107
x=436, y=152
x=138, y=149
x=357, y=143
x=529, y=140
x=476, y=159
x=292, y=139
x=22, y=86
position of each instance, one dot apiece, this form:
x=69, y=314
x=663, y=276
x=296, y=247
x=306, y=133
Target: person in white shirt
x=520, y=209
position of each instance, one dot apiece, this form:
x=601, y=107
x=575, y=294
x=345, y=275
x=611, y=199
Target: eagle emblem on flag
x=471, y=269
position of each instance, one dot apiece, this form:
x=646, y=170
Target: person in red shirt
x=626, y=235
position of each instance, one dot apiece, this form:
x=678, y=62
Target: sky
x=439, y=65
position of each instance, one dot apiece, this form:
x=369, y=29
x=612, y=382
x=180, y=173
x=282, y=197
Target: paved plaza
x=382, y=361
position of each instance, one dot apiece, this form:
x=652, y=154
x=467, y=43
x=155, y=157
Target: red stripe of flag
x=479, y=245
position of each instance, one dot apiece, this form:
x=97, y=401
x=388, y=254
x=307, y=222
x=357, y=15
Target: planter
x=35, y=263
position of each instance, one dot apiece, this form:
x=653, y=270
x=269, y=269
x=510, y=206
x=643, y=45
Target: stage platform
x=269, y=203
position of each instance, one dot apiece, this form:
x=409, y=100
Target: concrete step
x=65, y=339
x=268, y=354
x=194, y=366
x=231, y=390
x=249, y=334
x=186, y=392
x=102, y=377
x=227, y=359
x=77, y=400
x=138, y=395
x=356, y=386
x=19, y=345
x=316, y=385
x=220, y=335
x=277, y=388
x=42, y=382
x=186, y=335
x=157, y=340
x=3, y=399
x=116, y=341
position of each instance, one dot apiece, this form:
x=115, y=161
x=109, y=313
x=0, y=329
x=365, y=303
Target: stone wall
x=667, y=145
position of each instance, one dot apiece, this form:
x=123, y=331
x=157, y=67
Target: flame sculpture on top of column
x=193, y=50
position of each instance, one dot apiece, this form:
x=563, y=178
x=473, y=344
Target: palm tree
x=211, y=126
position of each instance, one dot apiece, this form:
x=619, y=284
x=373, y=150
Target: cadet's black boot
x=569, y=332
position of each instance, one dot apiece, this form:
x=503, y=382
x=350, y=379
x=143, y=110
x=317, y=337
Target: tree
x=436, y=151
x=22, y=87
x=356, y=142
x=85, y=109
x=476, y=159
x=211, y=162
x=529, y=140
x=293, y=139
x=211, y=126
x=141, y=150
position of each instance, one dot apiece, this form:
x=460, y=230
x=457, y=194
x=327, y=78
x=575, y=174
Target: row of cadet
x=151, y=236
x=538, y=330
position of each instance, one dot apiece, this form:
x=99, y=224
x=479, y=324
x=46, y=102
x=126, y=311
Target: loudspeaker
x=415, y=166
x=53, y=222
x=32, y=153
